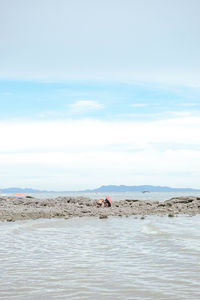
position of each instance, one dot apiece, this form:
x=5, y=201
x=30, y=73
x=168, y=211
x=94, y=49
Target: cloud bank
x=83, y=154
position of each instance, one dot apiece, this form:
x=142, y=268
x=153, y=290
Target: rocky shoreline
x=21, y=208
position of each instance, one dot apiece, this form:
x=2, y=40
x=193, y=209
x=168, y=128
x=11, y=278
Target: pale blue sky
x=110, y=88
x=115, y=40
x=51, y=101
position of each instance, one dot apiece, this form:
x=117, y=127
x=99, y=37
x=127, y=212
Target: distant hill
x=106, y=189
x=139, y=188
x=20, y=190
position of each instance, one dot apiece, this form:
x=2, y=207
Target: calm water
x=89, y=258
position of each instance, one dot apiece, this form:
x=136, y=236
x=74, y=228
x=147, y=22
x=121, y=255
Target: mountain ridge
x=140, y=188
x=106, y=188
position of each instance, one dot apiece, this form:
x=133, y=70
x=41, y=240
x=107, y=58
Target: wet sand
x=21, y=208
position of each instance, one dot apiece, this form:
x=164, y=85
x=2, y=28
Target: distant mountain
x=139, y=188
x=106, y=189
x=20, y=190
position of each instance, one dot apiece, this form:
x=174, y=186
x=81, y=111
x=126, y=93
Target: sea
x=91, y=258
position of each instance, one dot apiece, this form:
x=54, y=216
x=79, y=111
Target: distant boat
x=145, y=192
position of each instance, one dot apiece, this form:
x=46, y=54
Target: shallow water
x=91, y=258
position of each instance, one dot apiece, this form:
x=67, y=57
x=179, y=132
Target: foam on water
x=150, y=229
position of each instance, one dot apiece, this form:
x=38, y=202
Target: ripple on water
x=89, y=258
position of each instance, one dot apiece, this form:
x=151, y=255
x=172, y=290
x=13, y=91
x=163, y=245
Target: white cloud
x=88, y=153
x=84, y=134
x=163, y=115
x=85, y=106
x=180, y=113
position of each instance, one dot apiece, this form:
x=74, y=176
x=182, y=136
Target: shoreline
x=26, y=208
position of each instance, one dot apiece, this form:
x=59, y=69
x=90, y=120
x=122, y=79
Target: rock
x=85, y=211
x=10, y=220
x=15, y=208
x=171, y=215
x=155, y=202
x=183, y=200
x=103, y=217
x=162, y=205
x=131, y=200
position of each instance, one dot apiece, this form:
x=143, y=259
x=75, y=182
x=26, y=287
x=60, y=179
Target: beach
x=14, y=208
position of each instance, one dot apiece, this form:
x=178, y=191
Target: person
x=100, y=203
x=107, y=202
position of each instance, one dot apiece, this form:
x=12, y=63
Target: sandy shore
x=15, y=208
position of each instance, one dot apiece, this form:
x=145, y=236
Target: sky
x=99, y=92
